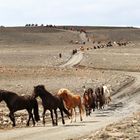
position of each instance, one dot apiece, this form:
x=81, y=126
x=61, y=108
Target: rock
x=134, y=121
x=18, y=120
x=5, y=119
x=116, y=134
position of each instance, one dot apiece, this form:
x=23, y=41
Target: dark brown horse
x=50, y=102
x=15, y=102
x=99, y=91
x=89, y=100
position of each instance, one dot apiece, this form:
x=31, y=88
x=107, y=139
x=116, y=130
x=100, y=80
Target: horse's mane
x=47, y=92
x=64, y=90
x=43, y=90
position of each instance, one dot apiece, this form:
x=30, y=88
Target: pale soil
x=126, y=129
x=25, y=65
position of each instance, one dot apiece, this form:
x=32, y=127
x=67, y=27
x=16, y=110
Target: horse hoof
x=13, y=125
x=27, y=125
x=54, y=124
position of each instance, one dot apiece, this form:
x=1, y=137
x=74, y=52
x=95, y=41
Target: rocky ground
x=126, y=129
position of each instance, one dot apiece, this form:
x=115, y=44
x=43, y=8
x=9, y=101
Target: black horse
x=50, y=102
x=15, y=102
x=99, y=91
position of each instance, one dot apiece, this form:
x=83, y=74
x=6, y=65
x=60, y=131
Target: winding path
x=74, y=60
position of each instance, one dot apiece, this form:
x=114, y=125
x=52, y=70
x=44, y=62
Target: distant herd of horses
x=64, y=100
x=98, y=45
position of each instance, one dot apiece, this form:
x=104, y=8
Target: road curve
x=74, y=60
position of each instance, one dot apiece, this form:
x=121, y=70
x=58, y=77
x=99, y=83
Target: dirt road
x=74, y=60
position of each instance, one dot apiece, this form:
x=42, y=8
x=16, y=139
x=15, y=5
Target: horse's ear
x=91, y=90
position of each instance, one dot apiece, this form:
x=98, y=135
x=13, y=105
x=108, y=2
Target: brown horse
x=71, y=101
x=89, y=100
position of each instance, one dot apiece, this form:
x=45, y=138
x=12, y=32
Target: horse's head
x=63, y=93
x=90, y=92
x=37, y=90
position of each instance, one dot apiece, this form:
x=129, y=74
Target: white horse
x=107, y=93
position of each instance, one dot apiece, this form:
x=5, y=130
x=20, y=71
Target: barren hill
x=36, y=36
x=102, y=33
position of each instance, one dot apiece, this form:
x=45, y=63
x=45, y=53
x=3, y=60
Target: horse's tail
x=36, y=112
x=64, y=109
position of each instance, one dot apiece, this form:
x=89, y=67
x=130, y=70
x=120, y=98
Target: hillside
x=36, y=36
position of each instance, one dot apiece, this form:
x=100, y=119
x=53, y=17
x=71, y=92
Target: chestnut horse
x=71, y=101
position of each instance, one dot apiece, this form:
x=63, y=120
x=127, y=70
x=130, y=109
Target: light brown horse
x=71, y=101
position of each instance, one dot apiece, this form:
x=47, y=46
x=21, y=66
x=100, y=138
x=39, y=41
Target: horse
x=50, y=102
x=74, y=51
x=15, y=102
x=99, y=91
x=71, y=101
x=107, y=94
x=89, y=100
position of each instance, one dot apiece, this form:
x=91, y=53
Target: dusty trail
x=74, y=60
x=130, y=89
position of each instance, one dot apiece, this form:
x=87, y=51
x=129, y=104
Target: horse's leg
x=56, y=116
x=86, y=111
x=53, y=123
x=61, y=111
x=75, y=114
x=89, y=111
x=80, y=110
x=12, y=117
x=43, y=115
x=30, y=116
x=71, y=114
x=33, y=119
